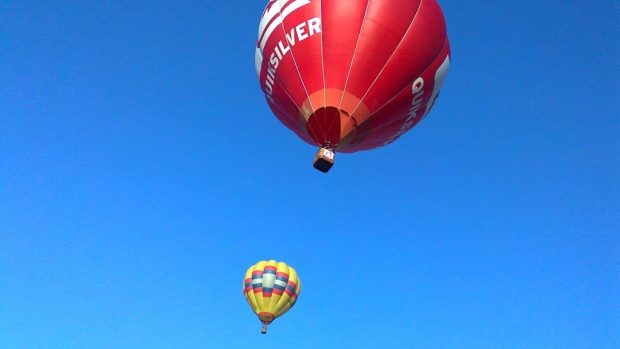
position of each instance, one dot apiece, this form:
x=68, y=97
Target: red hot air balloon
x=351, y=75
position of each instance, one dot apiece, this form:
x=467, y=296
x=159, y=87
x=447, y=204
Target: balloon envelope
x=271, y=288
x=351, y=75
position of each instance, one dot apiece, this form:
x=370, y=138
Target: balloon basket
x=324, y=160
x=265, y=318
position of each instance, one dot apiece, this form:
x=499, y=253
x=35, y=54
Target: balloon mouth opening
x=329, y=126
x=266, y=318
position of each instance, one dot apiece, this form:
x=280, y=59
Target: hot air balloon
x=351, y=75
x=271, y=288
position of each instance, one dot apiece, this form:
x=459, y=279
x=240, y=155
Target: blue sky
x=141, y=173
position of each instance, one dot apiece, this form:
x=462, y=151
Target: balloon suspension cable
x=324, y=158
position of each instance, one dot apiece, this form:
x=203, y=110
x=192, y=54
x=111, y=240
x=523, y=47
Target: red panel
x=277, y=70
x=384, y=27
x=405, y=109
x=342, y=22
x=420, y=45
x=301, y=32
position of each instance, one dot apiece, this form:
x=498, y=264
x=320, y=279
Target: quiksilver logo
x=417, y=90
x=273, y=18
x=275, y=13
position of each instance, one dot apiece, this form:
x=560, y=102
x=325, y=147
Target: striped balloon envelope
x=271, y=288
x=351, y=75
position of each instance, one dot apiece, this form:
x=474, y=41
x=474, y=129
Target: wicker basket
x=324, y=160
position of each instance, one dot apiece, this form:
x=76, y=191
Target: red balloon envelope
x=351, y=75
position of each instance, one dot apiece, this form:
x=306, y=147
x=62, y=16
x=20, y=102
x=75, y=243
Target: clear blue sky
x=141, y=173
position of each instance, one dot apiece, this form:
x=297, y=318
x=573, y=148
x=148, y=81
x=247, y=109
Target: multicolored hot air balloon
x=271, y=289
x=351, y=75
